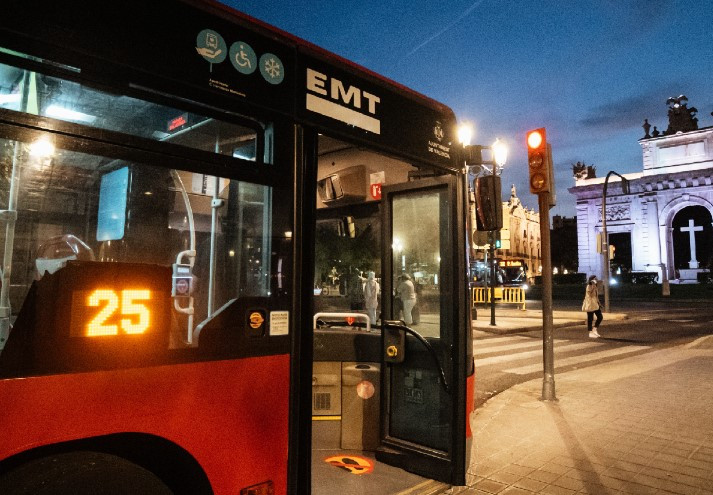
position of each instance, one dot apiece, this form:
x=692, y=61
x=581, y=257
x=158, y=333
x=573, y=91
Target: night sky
x=588, y=71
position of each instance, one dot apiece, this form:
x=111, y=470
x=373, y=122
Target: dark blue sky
x=590, y=71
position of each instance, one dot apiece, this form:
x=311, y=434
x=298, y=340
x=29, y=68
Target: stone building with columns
x=665, y=222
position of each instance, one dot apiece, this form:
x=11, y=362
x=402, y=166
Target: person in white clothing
x=371, y=296
x=407, y=293
x=592, y=307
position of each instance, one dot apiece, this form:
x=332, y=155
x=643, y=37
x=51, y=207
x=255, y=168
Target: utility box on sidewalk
x=360, y=406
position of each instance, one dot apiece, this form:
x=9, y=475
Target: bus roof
x=205, y=51
x=310, y=48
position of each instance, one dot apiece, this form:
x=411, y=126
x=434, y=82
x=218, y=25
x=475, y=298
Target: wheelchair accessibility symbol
x=243, y=57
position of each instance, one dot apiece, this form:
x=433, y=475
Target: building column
x=666, y=249
x=586, y=239
x=654, y=238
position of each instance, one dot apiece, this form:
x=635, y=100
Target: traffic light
x=488, y=202
x=480, y=238
x=539, y=161
x=612, y=251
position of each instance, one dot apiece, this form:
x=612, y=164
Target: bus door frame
x=449, y=467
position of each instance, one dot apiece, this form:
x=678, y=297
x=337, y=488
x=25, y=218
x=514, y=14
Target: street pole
x=548, y=350
x=605, y=246
x=605, y=238
x=665, y=289
x=492, y=278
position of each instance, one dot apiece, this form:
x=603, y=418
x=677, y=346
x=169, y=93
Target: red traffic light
x=538, y=161
x=535, y=138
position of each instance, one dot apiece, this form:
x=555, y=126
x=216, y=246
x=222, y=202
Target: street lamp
x=500, y=154
x=465, y=134
x=605, y=237
x=476, y=165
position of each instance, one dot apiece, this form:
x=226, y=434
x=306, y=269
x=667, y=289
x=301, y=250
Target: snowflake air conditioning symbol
x=271, y=68
x=438, y=131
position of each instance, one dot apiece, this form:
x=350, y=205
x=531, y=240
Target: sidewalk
x=641, y=425
x=510, y=319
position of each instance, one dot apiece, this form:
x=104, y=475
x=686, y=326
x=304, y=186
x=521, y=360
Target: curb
x=530, y=328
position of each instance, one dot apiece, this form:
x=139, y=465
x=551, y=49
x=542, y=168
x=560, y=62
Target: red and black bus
x=178, y=183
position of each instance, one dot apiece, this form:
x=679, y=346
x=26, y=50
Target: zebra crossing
x=515, y=353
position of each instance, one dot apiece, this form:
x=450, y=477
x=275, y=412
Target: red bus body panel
x=469, y=403
x=240, y=440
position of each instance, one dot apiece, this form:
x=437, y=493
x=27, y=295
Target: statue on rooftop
x=646, y=127
x=680, y=117
x=581, y=171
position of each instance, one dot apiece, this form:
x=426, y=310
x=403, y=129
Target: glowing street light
x=465, y=133
x=500, y=152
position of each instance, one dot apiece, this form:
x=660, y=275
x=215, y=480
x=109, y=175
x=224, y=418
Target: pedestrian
x=371, y=296
x=416, y=311
x=407, y=293
x=355, y=291
x=592, y=307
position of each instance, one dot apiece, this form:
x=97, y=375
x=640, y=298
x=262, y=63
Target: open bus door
x=427, y=364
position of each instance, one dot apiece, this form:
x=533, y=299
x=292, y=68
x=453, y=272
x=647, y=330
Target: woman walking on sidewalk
x=592, y=307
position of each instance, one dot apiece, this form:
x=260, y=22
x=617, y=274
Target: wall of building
x=677, y=172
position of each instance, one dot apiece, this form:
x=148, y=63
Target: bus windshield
x=215, y=236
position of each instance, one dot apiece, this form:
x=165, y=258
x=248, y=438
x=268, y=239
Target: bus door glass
x=388, y=374
x=422, y=389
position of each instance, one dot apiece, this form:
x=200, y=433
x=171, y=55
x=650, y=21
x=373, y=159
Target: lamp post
x=475, y=165
x=500, y=154
x=605, y=237
x=465, y=132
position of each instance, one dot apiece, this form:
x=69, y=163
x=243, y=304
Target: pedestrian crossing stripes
x=497, y=340
x=560, y=363
x=508, y=347
x=509, y=350
x=528, y=354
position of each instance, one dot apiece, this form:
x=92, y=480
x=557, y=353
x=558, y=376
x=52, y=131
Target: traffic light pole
x=548, y=351
x=542, y=183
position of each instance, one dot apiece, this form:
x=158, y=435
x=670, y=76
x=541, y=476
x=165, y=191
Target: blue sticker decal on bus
x=211, y=46
x=271, y=68
x=243, y=57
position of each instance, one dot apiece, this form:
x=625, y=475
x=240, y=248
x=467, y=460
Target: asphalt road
x=502, y=361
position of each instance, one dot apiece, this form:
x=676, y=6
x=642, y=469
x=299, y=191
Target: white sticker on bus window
x=279, y=322
x=205, y=184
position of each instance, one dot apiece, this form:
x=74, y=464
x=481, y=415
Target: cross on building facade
x=692, y=229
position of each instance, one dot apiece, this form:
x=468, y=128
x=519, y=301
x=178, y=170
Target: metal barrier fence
x=504, y=295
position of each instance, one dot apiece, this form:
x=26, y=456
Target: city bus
x=179, y=183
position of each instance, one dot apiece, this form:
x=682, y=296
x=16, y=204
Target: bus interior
x=351, y=229
x=211, y=240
